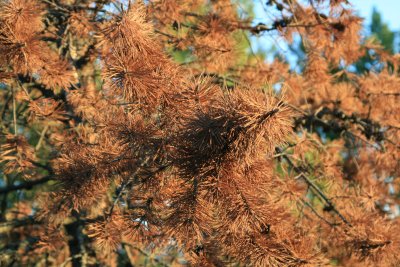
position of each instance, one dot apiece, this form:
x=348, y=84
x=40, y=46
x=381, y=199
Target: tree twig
x=329, y=203
x=317, y=214
x=39, y=143
x=26, y=185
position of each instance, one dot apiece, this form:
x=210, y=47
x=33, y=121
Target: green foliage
x=380, y=30
x=380, y=34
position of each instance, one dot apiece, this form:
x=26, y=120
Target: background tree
x=151, y=134
x=380, y=34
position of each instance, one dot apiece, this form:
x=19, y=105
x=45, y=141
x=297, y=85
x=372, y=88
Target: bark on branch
x=26, y=185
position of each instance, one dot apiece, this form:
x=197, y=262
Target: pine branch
x=317, y=214
x=19, y=222
x=147, y=255
x=329, y=203
x=26, y=185
x=125, y=184
x=369, y=128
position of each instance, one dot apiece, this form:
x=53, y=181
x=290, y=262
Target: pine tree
x=148, y=133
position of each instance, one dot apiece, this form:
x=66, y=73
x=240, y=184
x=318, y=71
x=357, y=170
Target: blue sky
x=390, y=10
